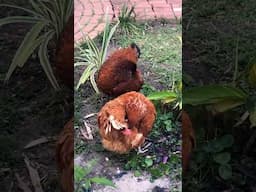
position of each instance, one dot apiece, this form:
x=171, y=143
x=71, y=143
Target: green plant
x=92, y=57
x=127, y=20
x=168, y=97
x=48, y=19
x=160, y=164
x=214, y=158
x=222, y=98
x=252, y=74
x=149, y=164
x=84, y=182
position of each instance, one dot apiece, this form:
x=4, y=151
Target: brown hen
x=119, y=73
x=188, y=140
x=65, y=156
x=125, y=121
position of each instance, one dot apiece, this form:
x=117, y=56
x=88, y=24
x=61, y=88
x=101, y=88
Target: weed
x=92, y=57
x=126, y=18
x=84, y=182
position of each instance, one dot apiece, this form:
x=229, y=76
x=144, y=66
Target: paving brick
x=120, y=2
x=145, y=14
x=163, y=13
x=90, y=13
x=100, y=27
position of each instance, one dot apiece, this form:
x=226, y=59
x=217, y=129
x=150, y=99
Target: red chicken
x=188, y=140
x=65, y=156
x=125, y=121
x=119, y=73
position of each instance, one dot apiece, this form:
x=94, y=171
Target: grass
x=161, y=58
x=160, y=46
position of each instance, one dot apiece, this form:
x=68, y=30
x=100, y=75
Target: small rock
x=121, y=174
x=159, y=189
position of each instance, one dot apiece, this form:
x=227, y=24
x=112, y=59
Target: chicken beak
x=115, y=124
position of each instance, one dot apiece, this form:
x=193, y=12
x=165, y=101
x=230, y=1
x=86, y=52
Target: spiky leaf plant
x=92, y=57
x=48, y=18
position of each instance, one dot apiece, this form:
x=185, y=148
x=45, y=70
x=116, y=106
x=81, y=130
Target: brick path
x=89, y=14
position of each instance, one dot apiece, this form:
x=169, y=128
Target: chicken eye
x=126, y=118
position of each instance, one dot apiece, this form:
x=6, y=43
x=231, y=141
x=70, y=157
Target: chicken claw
x=144, y=148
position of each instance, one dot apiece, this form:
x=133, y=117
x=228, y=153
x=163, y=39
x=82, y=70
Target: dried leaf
x=87, y=133
x=242, y=119
x=90, y=115
x=253, y=118
x=21, y=184
x=2, y=170
x=36, y=142
x=34, y=176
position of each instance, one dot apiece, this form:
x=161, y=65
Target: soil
x=30, y=109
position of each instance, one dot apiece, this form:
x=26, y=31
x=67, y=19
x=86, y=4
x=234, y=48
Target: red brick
x=91, y=24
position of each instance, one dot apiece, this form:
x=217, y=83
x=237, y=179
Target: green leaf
x=27, y=47
x=215, y=94
x=168, y=125
x=21, y=8
x=226, y=104
x=86, y=74
x=106, y=39
x=211, y=94
x=79, y=173
x=213, y=147
x=163, y=95
x=149, y=162
x=93, y=82
x=252, y=75
x=102, y=181
x=137, y=173
x=225, y=171
x=156, y=173
x=226, y=141
x=252, y=118
x=44, y=60
x=222, y=158
x=18, y=19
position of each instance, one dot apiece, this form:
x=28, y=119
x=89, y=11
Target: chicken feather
x=119, y=73
x=125, y=122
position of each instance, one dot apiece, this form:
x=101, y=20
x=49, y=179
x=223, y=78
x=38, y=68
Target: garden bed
x=160, y=64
